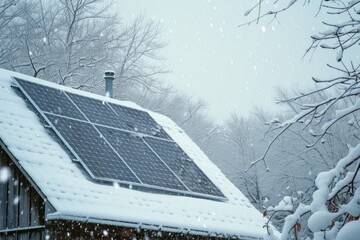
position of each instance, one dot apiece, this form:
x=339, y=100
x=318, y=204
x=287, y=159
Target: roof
x=75, y=196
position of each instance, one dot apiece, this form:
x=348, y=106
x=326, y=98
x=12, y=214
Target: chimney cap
x=109, y=73
x=109, y=76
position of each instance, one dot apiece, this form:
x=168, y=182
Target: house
x=55, y=184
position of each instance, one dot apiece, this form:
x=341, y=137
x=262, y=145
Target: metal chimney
x=109, y=77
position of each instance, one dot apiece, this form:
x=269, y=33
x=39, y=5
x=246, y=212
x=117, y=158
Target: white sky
x=232, y=68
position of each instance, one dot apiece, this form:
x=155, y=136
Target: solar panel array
x=119, y=144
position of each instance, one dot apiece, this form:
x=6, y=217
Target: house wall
x=22, y=210
x=66, y=230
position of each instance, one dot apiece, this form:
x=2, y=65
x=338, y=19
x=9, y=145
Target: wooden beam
x=24, y=207
x=35, y=213
x=12, y=198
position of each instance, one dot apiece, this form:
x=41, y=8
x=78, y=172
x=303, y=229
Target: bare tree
x=64, y=41
x=139, y=64
x=189, y=113
x=243, y=137
x=9, y=11
x=334, y=209
x=71, y=42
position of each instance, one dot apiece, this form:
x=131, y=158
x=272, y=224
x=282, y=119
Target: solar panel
x=118, y=143
x=92, y=149
x=183, y=166
x=50, y=99
x=139, y=121
x=147, y=166
x=98, y=112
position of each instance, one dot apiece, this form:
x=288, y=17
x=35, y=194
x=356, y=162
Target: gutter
x=66, y=217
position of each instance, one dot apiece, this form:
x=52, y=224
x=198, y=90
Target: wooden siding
x=22, y=210
x=66, y=230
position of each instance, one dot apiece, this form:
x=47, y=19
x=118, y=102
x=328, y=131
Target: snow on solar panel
x=119, y=144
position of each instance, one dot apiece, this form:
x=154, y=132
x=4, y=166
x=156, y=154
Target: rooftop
x=76, y=196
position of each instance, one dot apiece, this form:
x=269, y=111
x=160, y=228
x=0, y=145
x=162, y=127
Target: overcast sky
x=233, y=68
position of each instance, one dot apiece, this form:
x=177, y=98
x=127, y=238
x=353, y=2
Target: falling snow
x=4, y=174
x=16, y=200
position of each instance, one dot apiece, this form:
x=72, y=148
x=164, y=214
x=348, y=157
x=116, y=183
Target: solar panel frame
x=141, y=185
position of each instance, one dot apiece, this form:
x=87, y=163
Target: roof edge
x=26, y=175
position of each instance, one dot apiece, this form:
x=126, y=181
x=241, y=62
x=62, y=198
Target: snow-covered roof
x=77, y=197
